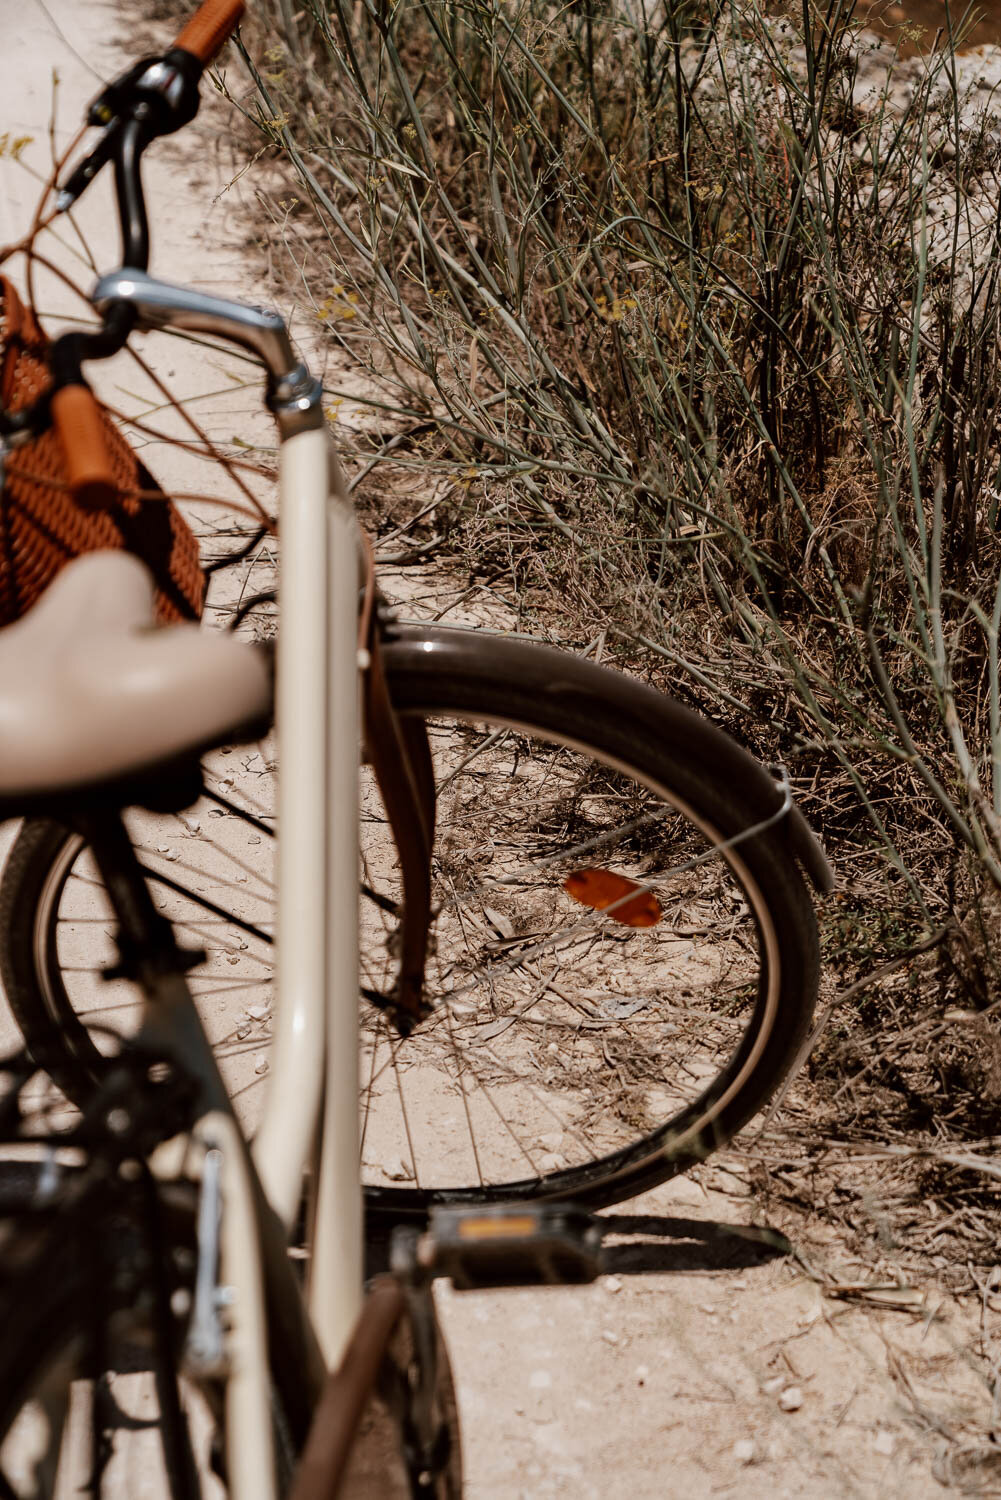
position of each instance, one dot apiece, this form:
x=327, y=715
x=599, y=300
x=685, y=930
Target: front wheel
x=585, y=1043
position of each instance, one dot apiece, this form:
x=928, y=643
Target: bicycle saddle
x=90, y=690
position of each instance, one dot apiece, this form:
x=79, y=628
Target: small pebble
x=885, y=1443
x=773, y=1385
x=609, y=1336
x=612, y=1284
x=258, y=1012
x=254, y=838
x=642, y=1371
x=707, y=1307
x=400, y=1171
x=260, y=1064
x=791, y=1399
x=743, y=1451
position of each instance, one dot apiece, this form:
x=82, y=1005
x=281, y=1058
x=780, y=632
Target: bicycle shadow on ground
x=637, y=1244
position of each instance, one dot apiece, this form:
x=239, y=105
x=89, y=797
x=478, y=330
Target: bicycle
x=614, y=885
x=563, y=746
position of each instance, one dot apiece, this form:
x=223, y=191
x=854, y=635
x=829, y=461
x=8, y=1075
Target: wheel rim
x=527, y=1078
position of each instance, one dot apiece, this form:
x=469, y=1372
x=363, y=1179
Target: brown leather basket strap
x=338, y=1414
x=400, y=756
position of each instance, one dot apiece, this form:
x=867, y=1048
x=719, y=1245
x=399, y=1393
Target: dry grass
x=703, y=360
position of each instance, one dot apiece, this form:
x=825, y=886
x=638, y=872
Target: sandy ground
x=701, y=1364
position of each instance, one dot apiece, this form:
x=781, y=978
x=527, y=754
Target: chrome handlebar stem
x=294, y=394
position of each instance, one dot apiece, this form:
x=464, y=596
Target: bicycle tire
x=699, y=779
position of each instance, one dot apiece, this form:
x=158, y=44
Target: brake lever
x=159, y=93
x=84, y=173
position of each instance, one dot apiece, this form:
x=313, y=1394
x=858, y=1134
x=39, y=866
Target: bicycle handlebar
x=155, y=97
x=209, y=28
x=76, y=418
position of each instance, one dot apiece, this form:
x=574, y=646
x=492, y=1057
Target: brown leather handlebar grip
x=76, y=417
x=209, y=27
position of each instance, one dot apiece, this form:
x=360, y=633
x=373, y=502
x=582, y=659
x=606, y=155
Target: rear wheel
x=91, y=1400
x=90, y=1397
x=571, y=1053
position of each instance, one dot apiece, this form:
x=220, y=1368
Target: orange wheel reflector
x=601, y=890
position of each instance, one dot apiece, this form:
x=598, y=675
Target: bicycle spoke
x=394, y=1056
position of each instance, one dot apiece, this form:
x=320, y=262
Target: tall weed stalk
x=706, y=340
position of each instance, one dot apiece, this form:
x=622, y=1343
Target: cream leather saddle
x=90, y=690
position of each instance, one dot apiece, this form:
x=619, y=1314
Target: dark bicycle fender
x=415, y=655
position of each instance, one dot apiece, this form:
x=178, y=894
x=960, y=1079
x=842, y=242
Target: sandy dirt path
x=703, y=1363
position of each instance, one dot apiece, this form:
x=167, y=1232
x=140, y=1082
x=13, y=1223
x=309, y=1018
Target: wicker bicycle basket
x=41, y=526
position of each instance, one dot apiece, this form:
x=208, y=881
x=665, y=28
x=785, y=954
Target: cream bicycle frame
x=314, y=1078
x=311, y=1110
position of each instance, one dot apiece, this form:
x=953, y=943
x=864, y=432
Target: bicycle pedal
x=545, y=1244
